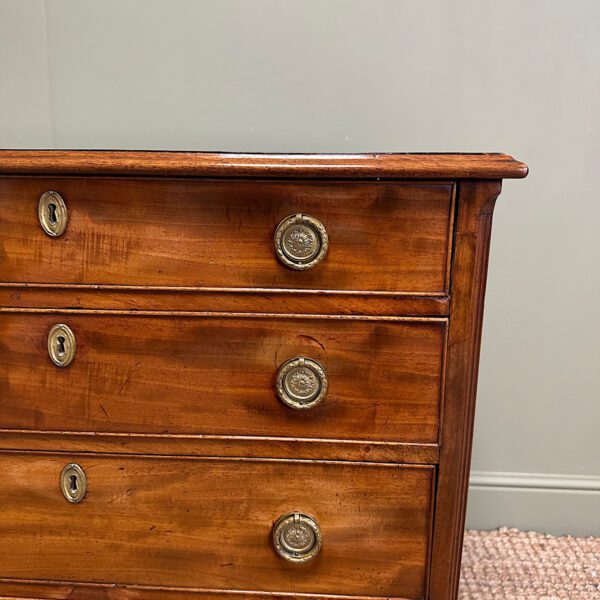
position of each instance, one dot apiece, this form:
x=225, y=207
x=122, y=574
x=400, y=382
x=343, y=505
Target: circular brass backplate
x=301, y=383
x=301, y=242
x=61, y=345
x=52, y=212
x=297, y=537
x=73, y=483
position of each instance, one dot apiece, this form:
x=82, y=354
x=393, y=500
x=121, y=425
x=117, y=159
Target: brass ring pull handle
x=52, y=212
x=301, y=383
x=73, y=483
x=61, y=345
x=301, y=242
x=297, y=537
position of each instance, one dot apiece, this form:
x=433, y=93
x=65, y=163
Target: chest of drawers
x=239, y=375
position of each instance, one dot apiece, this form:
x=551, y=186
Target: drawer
x=356, y=379
x=381, y=236
x=208, y=523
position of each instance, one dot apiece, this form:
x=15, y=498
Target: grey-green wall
x=517, y=76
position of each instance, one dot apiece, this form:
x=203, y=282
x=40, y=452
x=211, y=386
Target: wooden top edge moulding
x=227, y=164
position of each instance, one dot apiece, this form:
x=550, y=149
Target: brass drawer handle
x=61, y=345
x=52, y=212
x=301, y=383
x=297, y=537
x=73, y=483
x=301, y=242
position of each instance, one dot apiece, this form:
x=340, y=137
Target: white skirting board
x=556, y=504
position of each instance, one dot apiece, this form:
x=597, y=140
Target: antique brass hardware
x=61, y=345
x=297, y=537
x=301, y=242
x=73, y=483
x=52, y=212
x=301, y=383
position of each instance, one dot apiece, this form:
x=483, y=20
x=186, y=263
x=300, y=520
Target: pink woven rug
x=509, y=564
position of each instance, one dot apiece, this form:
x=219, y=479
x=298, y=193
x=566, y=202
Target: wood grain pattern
x=9, y=589
x=211, y=375
x=69, y=442
x=254, y=300
x=228, y=164
x=207, y=524
x=383, y=237
x=469, y=270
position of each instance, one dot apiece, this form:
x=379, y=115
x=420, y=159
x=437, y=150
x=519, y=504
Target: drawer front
x=387, y=237
x=219, y=375
x=208, y=524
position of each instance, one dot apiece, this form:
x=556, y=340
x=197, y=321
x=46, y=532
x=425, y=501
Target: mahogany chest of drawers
x=238, y=375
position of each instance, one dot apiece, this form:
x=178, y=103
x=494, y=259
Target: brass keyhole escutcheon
x=297, y=537
x=52, y=213
x=301, y=242
x=301, y=383
x=73, y=483
x=61, y=345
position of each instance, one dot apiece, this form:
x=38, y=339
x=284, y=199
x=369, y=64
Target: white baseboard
x=556, y=504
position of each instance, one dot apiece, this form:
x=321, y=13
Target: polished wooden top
x=227, y=164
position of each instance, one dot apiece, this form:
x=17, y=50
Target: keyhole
x=60, y=345
x=73, y=483
x=52, y=218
